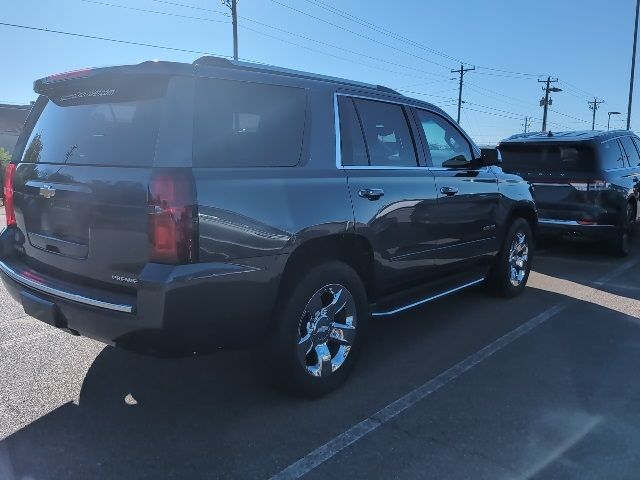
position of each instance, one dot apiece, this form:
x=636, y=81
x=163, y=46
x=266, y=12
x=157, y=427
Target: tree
x=5, y=158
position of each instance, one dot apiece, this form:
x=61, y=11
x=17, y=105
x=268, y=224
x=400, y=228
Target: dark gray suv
x=176, y=208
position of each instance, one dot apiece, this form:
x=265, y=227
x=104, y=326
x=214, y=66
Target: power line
x=157, y=12
x=379, y=29
x=320, y=42
x=107, y=39
x=376, y=67
x=392, y=34
x=366, y=37
x=501, y=72
x=496, y=95
x=175, y=4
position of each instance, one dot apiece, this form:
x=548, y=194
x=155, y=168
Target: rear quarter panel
x=253, y=212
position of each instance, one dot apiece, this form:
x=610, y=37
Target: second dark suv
x=180, y=208
x=586, y=184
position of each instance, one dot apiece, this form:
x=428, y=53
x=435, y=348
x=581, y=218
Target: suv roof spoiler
x=258, y=67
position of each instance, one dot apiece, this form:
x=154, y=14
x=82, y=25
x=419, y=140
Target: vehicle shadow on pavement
x=584, y=264
x=212, y=417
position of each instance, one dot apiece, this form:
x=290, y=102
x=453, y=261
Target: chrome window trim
x=7, y=270
x=336, y=117
x=428, y=299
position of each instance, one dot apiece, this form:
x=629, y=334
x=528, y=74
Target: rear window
x=547, y=158
x=244, y=124
x=107, y=122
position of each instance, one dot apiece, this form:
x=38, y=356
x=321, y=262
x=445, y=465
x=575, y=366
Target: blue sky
x=585, y=43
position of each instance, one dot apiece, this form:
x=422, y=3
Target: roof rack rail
x=382, y=88
x=258, y=67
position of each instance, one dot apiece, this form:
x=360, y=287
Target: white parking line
x=358, y=431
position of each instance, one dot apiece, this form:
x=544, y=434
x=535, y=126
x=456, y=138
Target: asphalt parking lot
x=469, y=387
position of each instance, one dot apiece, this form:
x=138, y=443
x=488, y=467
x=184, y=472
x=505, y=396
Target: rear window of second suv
x=547, y=158
x=245, y=124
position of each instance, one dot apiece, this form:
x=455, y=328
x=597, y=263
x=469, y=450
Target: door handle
x=371, y=193
x=449, y=191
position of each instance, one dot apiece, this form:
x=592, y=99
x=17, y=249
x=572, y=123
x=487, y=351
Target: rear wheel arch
x=352, y=249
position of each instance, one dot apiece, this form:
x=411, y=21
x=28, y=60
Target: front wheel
x=321, y=327
x=510, y=271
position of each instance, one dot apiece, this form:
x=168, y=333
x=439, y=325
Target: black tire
x=285, y=367
x=500, y=279
x=621, y=242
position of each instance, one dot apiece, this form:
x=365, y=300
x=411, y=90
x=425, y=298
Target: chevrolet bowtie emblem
x=47, y=191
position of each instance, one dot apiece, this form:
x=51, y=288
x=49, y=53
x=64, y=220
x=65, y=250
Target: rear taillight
x=9, y=173
x=173, y=217
x=591, y=186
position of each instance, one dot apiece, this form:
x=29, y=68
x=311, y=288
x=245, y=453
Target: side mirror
x=489, y=157
x=459, y=161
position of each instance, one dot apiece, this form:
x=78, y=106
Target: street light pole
x=609, y=121
x=633, y=65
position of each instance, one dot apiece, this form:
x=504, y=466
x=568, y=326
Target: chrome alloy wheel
x=327, y=330
x=518, y=259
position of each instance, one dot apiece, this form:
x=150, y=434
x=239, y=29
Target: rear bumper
x=177, y=310
x=549, y=226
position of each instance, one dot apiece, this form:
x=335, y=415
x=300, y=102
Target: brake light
x=58, y=77
x=8, y=194
x=591, y=186
x=173, y=218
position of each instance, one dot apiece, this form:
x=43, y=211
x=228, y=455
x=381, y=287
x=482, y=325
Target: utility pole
x=594, y=105
x=546, y=101
x=633, y=65
x=462, y=72
x=527, y=124
x=232, y=4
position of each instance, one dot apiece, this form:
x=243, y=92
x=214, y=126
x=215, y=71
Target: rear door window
x=387, y=133
x=631, y=152
x=353, y=148
x=245, y=124
x=109, y=122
